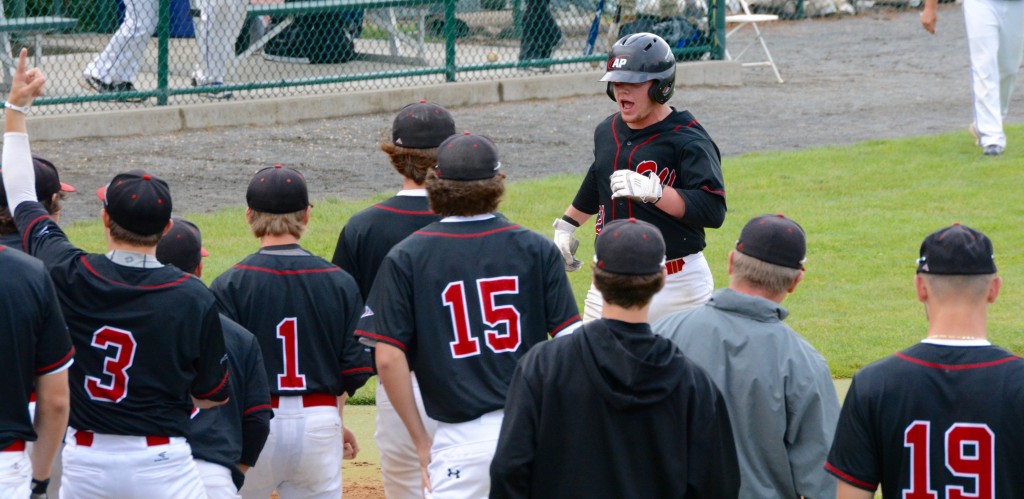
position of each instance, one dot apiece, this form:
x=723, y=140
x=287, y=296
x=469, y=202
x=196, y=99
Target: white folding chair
x=748, y=19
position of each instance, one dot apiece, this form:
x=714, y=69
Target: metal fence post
x=163, y=29
x=450, y=34
x=718, y=50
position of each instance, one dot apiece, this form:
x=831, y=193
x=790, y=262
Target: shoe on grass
x=993, y=150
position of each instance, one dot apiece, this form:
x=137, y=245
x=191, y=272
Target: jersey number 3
x=120, y=346
x=970, y=453
x=465, y=345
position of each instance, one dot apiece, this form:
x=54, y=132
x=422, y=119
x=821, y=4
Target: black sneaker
x=97, y=85
x=127, y=86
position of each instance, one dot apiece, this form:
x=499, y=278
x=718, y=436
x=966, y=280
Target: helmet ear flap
x=611, y=92
x=661, y=90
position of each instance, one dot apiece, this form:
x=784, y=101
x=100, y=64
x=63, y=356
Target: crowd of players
x=156, y=386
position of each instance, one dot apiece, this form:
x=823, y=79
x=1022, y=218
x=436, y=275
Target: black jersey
x=303, y=310
x=33, y=339
x=145, y=338
x=217, y=433
x=465, y=300
x=371, y=233
x=12, y=240
x=935, y=421
x=681, y=154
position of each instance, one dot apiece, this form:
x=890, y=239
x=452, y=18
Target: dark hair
x=124, y=235
x=410, y=163
x=7, y=225
x=628, y=291
x=465, y=198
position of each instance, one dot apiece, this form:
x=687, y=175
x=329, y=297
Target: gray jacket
x=777, y=387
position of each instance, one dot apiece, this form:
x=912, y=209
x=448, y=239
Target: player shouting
x=460, y=302
x=653, y=163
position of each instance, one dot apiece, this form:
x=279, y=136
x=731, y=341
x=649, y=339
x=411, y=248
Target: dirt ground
x=873, y=76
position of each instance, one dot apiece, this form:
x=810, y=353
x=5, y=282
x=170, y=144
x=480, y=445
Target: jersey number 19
x=465, y=345
x=970, y=451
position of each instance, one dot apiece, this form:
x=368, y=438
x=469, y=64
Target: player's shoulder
x=14, y=259
x=237, y=339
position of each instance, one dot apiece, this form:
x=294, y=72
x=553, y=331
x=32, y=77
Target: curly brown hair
x=53, y=207
x=410, y=163
x=627, y=291
x=463, y=198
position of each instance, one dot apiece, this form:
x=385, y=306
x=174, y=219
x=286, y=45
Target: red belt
x=84, y=438
x=673, y=266
x=17, y=446
x=309, y=400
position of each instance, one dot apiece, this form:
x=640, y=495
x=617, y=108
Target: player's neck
x=957, y=322
x=409, y=184
x=114, y=245
x=278, y=240
x=632, y=315
x=742, y=287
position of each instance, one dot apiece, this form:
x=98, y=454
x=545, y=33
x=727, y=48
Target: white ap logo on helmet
x=619, y=62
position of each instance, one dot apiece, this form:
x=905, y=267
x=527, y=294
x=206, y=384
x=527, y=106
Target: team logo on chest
x=666, y=176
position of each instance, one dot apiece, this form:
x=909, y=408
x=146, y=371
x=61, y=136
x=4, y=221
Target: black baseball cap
x=467, y=157
x=774, y=239
x=956, y=250
x=47, y=182
x=277, y=189
x=182, y=246
x=137, y=201
x=630, y=247
x=423, y=125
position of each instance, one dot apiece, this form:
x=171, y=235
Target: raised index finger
x=22, y=58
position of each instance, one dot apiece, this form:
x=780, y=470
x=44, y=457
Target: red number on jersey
x=970, y=451
x=115, y=366
x=291, y=379
x=465, y=345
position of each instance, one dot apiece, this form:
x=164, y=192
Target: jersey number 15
x=465, y=345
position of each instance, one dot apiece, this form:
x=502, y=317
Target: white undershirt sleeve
x=18, y=173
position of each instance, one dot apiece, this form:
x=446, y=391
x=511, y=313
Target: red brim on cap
x=203, y=252
x=102, y=193
x=67, y=187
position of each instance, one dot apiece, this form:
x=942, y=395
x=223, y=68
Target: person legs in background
x=217, y=24
x=115, y=69
x=995, y=38
x=540, y=32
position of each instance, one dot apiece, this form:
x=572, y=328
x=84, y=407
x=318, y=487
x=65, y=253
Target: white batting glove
x=567, y=244
x=630, y=184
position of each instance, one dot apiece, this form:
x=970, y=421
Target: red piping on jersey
x=154, y=286
x=61, y=362
x=255, y=408
x=717, y=193
x=215, y=390
x=949, y=367
x=286, y=272
x=615, y=165
x=467, y=236
x=690, y=124
x=385, y=339
x=847, y=478
x=403, y=212
x=2, y=247
x=358, y=370
x=24, y=237
x=564, y=325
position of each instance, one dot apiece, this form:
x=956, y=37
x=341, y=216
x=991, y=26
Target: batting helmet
x=642, y=57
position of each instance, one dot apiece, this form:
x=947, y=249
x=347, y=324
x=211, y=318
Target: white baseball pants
x=302, y=456
x=399, y=462
x=995, y=37
x=15, y=474
x=216, y=480
x=119, y=62
x=460, y=459
x=118, y=466
x=216, y=29
x=689, y=287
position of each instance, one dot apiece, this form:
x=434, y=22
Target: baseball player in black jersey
x=653, y=163
x=35, y=350
x=460, y=301
x=613, y=410
x=226, y=440
x=147, y=337
x=941, y=419
x=367, y=237
x=51, y=192
x=303, y=311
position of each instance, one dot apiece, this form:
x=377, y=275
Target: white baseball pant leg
x=216, y=30
x=216, y=480
x=119, y=62
x=690, y=287
x=117, y=466
x=995, y=38
x=460, y=459
x=15, y=474
x=399, y=461
x=302, y=456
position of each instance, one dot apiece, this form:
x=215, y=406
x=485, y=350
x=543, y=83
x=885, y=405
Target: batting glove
x=567, y=244
x=630, y=184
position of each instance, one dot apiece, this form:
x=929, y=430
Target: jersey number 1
x=465, y=345
x=115, y=367
x=970, y=453
x=288, y=333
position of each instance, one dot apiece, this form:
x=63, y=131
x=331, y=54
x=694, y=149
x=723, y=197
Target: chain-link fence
x=103, y=54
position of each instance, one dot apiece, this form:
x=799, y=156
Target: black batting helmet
x=642, y=57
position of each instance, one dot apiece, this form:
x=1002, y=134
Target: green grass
x=865, y=208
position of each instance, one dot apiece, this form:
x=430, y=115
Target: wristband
x=20, y=109
x=569, y=220
x=40, y=486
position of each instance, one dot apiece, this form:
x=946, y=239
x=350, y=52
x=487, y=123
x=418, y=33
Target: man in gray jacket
x=776, y=385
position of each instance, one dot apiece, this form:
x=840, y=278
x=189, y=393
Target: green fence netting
x=121, y=54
